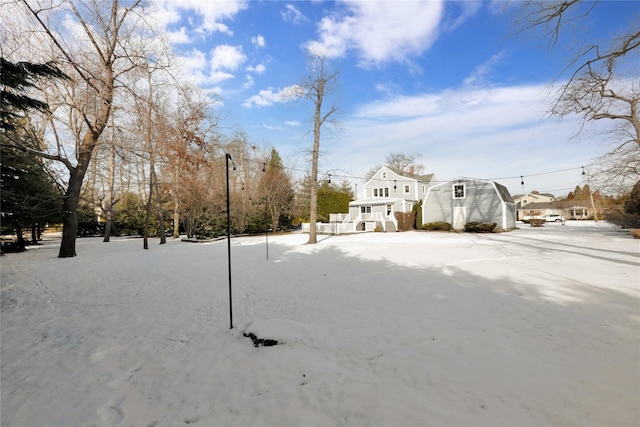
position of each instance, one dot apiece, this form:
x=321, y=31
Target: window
x=386, y=192
x=458, y=191
x=389, y=210
x=365, y=209
x=424, y=189
x=407, y=189
x=375, y=192
x=384, y=175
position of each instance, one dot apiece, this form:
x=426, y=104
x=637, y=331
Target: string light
x=401, y=181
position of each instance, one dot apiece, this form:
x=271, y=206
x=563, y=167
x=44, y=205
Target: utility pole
x=593, y=205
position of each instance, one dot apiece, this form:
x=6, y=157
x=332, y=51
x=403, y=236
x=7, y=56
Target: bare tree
x=191, y=148
x=314, y=88
x=405, y=162
x=603, y=82
x=401, y=162
x=95, y=61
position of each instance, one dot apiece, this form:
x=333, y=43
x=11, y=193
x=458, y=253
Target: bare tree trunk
x=159, y=213
x=176, y=221
x=145, y=232
x=70, y=205
x=108, y=204
x=314, y=191
x=315, y=90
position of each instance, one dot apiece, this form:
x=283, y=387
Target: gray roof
x=424, y=178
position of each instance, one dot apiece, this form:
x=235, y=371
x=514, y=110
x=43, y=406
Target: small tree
x=276, y=188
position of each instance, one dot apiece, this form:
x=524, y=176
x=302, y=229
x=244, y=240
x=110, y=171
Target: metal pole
x=228, y=157
x=266, y=226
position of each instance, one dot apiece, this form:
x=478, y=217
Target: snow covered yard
x=539, y=326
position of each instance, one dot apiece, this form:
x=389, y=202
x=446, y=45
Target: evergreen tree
x=15, y=80
x=30, y=196
x=332, y=199
x=632, y=204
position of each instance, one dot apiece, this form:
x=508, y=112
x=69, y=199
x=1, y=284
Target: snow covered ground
x=539, y=326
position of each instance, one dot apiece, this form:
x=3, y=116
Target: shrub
x=537, y=222
x=622, y=219
x=437, y=226
x=635, y=232
x=480, y=227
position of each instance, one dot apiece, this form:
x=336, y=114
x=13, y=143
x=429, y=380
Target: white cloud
x=480, y=73
x=249, y=82
x=258, y=41
x=179, y=37
x=379, y=31
x=467, y=10
x=258, y=69
x=291, y=14
x=227, y=57
x=267, y=97
x=211, y=13
x=192, y=65
x=219, y=76
x=292, y=123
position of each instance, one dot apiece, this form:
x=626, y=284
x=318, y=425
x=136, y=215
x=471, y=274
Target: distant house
x=569, y=209
x=522, y=200
x=463, y=200
x=388, y=191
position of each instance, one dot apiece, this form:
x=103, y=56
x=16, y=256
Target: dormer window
x=384, y=175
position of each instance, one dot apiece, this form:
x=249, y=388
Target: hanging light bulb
x=329, y=178
x=521, y=181
x=583, y=172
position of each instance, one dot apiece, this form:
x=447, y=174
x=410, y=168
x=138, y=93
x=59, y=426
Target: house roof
x=374, y=201
x=502, y=191
x=424, y=178
x=534, y=195
x=565, y=204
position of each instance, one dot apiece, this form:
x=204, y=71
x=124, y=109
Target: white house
x=463, y=200
x=458, y=201
x=388, y=191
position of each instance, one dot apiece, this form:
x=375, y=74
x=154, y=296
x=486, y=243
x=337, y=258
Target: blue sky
x=449, y=80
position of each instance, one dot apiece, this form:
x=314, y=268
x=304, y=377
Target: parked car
x=553, y=217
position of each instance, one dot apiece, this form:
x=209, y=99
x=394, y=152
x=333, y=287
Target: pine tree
x=30, y=196
x=16, y=79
